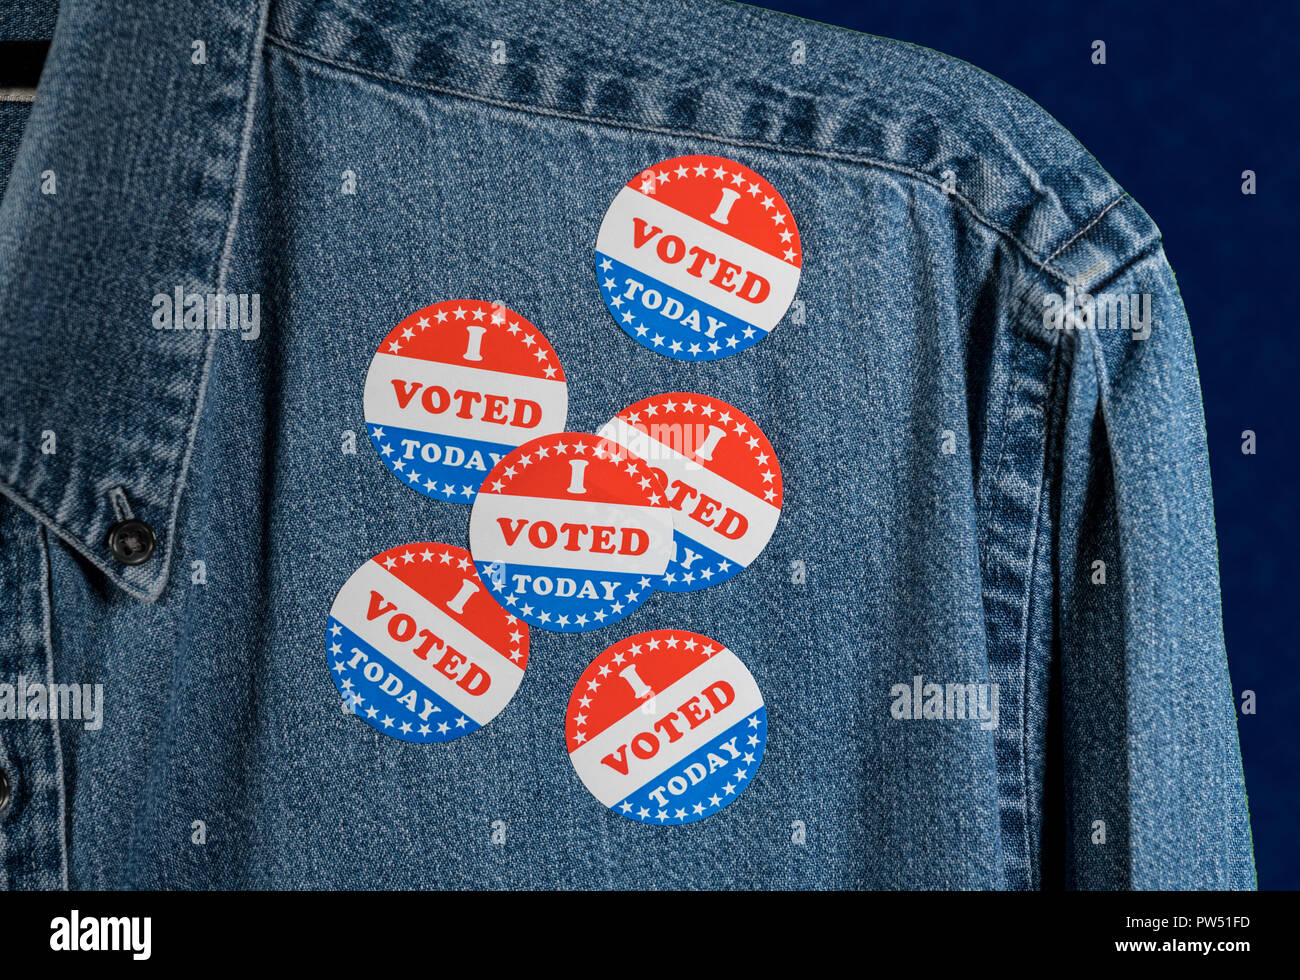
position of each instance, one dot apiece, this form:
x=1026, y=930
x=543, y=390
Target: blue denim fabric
x=30, y=21
x=13, y=120
x=954, y=466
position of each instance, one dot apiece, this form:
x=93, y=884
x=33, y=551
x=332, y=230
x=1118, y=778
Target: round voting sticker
x=417, y=647
x=697, y=258
x=666, y=727
x=719, y=475
x=569, y=532
x=453, y=388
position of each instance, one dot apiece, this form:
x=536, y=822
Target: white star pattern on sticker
x=494, y=313
x=735, y=779
x=354, y=702
x=742, y=177
x=726, y=335
x=729, y=782
x=579, y=447
x=603, y=665
x=719, y=412
x=352, y=679
x=447, y=491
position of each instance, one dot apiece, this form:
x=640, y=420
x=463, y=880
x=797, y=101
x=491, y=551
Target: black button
x=4, y=790
x=131, y=541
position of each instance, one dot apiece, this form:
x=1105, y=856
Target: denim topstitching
x=1039, y=263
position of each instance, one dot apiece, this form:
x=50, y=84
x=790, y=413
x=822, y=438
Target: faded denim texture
x=937, y=209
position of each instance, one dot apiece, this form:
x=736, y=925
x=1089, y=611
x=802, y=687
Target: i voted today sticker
x=455, y=387
x=570, y=531
x=418, y=648
x=666, y=727
x=718, y=473
x=698, y=258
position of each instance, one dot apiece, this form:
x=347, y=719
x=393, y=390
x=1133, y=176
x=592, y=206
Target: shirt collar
x=125, y=187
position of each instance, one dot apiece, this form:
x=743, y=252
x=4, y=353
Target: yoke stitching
x=836, y=155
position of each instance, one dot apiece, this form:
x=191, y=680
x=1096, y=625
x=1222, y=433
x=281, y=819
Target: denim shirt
x=985, y=483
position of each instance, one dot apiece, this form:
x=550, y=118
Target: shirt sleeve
x=1154, y=789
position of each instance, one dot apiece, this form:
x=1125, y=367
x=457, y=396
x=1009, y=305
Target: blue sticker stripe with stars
x=656, y=803
x=381, y=710
x=475, y=459
x=588, y=607
x=706, y=568
x=664, y=334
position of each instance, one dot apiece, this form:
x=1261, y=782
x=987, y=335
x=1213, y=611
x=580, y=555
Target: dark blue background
x=1191, y=95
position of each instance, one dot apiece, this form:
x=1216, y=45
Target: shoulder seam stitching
x=1084, y=230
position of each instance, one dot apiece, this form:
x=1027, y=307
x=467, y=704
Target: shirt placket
x=33, y=839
